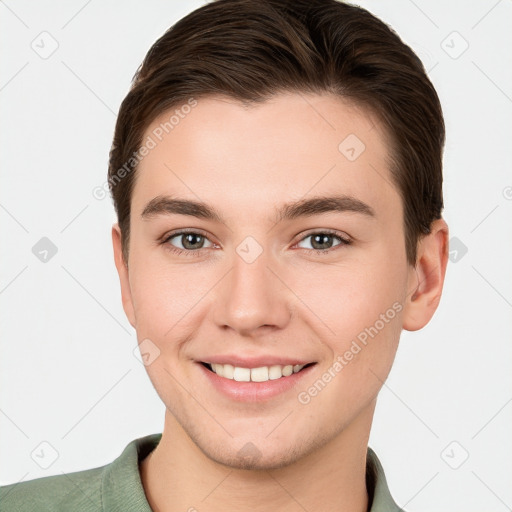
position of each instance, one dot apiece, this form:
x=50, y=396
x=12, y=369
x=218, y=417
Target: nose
x=252, y=298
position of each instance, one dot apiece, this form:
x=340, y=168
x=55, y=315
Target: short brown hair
x=250, y=50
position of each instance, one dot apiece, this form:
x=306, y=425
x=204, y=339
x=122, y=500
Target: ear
x=426, y=278
x=122, y=270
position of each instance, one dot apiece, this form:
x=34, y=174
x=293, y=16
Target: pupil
x=191, y=239
x=323, y=240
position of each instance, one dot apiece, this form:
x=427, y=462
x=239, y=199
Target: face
x=266, y=240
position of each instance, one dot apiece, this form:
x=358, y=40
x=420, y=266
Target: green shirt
x=118, y=487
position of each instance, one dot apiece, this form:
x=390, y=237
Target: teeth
x=287, y=370
x=228, y=371
x=275, y=372
x=218, y=369
x=242, y=374
x=261, y=374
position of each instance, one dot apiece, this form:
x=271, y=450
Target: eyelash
x=197, y=252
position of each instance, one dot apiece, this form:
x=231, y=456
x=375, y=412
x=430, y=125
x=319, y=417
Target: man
x=277, y=176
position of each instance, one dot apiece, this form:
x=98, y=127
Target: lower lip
x=254, y=391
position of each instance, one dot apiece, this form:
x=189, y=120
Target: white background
x=68, y=375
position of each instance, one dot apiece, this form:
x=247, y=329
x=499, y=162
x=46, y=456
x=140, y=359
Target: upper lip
x=254, y=362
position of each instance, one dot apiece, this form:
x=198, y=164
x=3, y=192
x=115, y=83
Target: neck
x=177, y=476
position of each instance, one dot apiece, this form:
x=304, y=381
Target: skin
x=246, y=162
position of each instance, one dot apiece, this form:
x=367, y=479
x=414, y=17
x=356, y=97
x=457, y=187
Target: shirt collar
x=122, y=489
x=379, y=497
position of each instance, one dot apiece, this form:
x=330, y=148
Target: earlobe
x=426, y=279
x=122, y=270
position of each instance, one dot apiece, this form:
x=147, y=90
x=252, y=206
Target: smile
x=259, y=374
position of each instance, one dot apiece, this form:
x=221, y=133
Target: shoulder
x=380, y=498
x=80, y=491
x=115, y=486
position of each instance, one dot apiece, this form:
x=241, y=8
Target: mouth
x=258, y=374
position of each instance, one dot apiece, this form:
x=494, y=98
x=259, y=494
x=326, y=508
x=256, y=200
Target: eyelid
x=340, y=234
x=185, y=231
x=344, y=238
x=164, y=241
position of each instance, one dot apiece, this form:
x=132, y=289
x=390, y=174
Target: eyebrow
x=166, y=205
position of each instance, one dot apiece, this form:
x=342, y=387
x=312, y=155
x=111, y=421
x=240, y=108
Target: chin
x=260, y=454
x=250, y=457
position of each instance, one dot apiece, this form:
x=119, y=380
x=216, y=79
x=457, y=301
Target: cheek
x=350, y=297
x=164, y=296
x=357, y=311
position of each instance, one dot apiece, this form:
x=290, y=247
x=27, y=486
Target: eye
x=190, y=243
x=323, y=241
x=187, y=242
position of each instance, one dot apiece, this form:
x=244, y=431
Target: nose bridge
x=251, y=295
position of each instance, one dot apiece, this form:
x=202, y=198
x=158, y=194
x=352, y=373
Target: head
x=243, y=118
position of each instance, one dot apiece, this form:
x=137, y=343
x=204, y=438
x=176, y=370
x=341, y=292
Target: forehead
x=259, y=155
